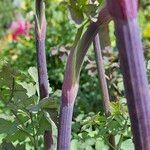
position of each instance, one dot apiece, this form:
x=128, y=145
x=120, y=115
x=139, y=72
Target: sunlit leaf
x=31, y=89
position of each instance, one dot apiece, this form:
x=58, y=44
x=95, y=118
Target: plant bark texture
x=124, y=13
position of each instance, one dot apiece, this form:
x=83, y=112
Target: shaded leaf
x=7, y=126
x=76, y=15
x=8, y=146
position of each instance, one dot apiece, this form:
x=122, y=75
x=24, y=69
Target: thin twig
x=103, y=85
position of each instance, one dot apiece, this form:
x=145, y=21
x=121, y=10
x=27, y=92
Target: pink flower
x=19, y=27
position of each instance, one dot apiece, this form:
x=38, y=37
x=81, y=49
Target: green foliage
x=83, y=9
x=30, y=116
x=92, y=130
x=6, y=18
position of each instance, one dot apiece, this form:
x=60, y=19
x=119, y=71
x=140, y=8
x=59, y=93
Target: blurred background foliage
x=21, y=54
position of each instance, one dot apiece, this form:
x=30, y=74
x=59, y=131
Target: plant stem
x=103, y=85
x=65, y=128
x=101, y=76
x=40, y=33
x=104, y=36
x=71, y=79
x=124, y=13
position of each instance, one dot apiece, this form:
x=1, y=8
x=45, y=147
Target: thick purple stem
x=43, y=85
x=42, y=69
x=65, y=127
x=135, y=81
x=40, y=33
x=71, y=80
x=133, y=68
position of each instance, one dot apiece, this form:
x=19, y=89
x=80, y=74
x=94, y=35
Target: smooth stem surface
x=65, y=128
x=71, y=79
x=124, y=13
x=65, y=120
x=135, y=81
x=42, y=68
x=40, y=33
x=101, y=75
x=103, y=85
x=43, y=85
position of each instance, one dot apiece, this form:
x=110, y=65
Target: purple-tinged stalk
x=40, y=34
x=104, y=36
x=124, y=13
x=71, y=80
x=103, y=85
x=101, y=76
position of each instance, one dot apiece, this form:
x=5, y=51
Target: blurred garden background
x=18, y=54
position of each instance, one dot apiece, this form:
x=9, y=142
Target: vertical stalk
x=104, y=36
x=124, y=13
x=65, y=127
x=103, y=85
x=71, y=80
x=40, y=34
x=101, y=76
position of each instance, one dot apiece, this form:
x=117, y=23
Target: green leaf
x=31, y=89
x=74, y=144
x=7, y=126
x=88, y=147
x=79, y=118
x=100, y=145
x=33, y=108
x=12, y=106
x=76, y=15
x=44, y=124
x=46, y=103
x=19, y=93
x=20, y=147
x=7, y=72
x=90, y=9
x=20, y=136
x=33, y=73
x=127, y=145
x=23, y=118
x=148, y=65
x=8, y=146
x=120, y=86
